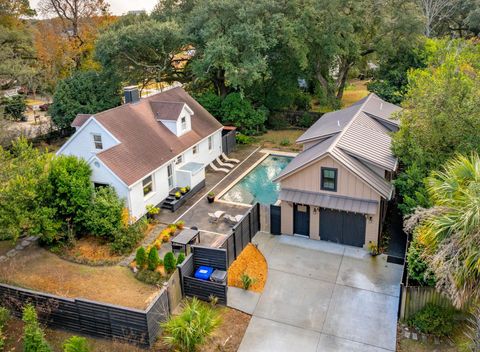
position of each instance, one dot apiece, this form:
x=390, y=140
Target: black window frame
x=322, y=187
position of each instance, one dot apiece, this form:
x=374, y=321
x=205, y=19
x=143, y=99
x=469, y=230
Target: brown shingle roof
x=146, y=144
x=167, y=110
x=80, y=119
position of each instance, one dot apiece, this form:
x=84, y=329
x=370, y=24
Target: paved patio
x=195, y=211
x=321, y=297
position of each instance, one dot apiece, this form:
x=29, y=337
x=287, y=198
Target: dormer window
x=97, y=141
x=184, y=123
x=174, y=115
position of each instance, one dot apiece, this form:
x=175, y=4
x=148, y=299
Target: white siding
x=81, y=143
x=171, y=125
x=100, y=174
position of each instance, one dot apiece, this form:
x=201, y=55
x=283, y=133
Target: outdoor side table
x=183, y=241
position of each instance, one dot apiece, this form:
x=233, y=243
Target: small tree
x=192, y=327
x=14, y=107
x=33, y=336
x=104, y=217
x=76, y=344
x=169, y=262
x=141, y=257
x=240, y=112
x=153, y=259
x=180, y=258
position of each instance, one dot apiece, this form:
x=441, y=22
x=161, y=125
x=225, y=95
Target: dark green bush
x=141, y=257
x=169, y=262
x=302, y=101
x=128, y=237
x=76, y=344
x=153, y=259
x=180, y=258
x=242, y=139
x=150, y=277
x=212, y=102
x=33, y=335
x=278, y=122
x=434, y=320
x=14, y=107
x=418, y=269
x=306, y=120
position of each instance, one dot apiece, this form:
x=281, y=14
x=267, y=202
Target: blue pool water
x=257, y=185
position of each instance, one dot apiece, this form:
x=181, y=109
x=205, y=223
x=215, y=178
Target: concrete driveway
x=323, y=297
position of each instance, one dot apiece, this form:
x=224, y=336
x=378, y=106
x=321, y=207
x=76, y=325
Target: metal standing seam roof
x=324, y=200
x=361, y=137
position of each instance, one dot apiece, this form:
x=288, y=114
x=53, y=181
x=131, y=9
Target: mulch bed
x=251, y=262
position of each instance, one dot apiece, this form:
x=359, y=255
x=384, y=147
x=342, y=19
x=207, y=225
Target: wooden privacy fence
x=202, y=289
x=414, y=298
x=242, y=233
x=229, y=141
x=92, y=318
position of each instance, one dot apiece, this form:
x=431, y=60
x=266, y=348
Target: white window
x=147, y=184
x=179, y=159
x=210, y=143
x=97, y=141
x=184, y=123
x=170, y=176
x=195, y=149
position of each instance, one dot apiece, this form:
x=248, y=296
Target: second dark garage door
x=342, y=227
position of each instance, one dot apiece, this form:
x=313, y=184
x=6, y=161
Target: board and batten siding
x=348, y=184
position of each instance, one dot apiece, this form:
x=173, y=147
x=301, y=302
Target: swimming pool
x=257, y=185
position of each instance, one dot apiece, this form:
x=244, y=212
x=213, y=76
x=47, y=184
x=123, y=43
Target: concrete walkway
x=323, y=297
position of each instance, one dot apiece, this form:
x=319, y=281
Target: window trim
x=195, y=149
x=183, y=123
x=180, y=156
x=335, y=182
x=210, y=143
x=148, y=184
x=99, y=142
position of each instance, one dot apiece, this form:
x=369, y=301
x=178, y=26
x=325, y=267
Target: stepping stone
x=436, y=341
x=414, y=336
x=25, y=243
x=11, y=253
x=407, y=334
x=3, y=259
x=19, y=247
x=31, y=238
x=424, y=338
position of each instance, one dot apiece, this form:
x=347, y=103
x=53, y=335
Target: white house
x=147, y=147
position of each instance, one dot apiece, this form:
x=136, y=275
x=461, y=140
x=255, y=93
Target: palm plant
x=192, y=327
x=450, y=232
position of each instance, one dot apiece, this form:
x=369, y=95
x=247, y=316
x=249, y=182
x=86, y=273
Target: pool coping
x=267, y=153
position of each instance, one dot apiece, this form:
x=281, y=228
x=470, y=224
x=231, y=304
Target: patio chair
x=215, y=168
x=233, y=220
x=229, y=160
x=221, y=163
x=214, y=217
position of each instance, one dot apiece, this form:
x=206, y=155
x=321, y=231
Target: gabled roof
x=80, y=119
x=146, y=144
x=353, y=136
x=168, y=110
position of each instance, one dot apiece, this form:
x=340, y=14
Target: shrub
x=103, y=217
x=285, y=142
x=247, y=281
x=212, y=102
x=76, y=344
x=165, y=237
x=172, y=228
x=433, y=319
x=127, y=238
x=180, y=258
x=14, y=107
x=242, y=139
x=278, y=122
x=153, y=259
x=306, y=120
x=302, y=101
x=141, y=257
x=417, y=267
x=33, y=336
x=240, y=112
x=169, y=262
x=157, y=244
x=4, y=317
x=152, y=210
x=192, y=327
x=180, y=224
x=150, y=277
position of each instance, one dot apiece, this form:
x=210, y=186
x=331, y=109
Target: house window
x=98, y=185
x=184, y=123
x=210, y=143
x=147, y=184
x=97, y=141
x=179, y=159
x=195, y=149
x=329, y=179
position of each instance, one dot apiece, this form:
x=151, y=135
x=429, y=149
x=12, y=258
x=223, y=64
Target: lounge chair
x=214, y=217
x=229, y=160
x=221, y=163
x=216, y=168
x=233, y=220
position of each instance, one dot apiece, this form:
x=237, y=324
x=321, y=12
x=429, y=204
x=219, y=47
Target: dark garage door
x=342, y=227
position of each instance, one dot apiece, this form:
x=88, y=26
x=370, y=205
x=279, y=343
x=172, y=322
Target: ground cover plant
x=434, y=320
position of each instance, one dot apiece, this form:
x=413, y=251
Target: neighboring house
x=337, y=189
x=147, y=147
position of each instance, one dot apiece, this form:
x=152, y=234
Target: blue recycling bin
x=203, y=272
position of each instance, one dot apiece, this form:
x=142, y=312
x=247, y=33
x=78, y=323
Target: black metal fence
x=92, y=318
x=202, y=289
x=275, y=220
x=242, y=233
x=229, y=141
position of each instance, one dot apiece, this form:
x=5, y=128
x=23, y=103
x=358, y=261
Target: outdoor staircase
x=168, y=203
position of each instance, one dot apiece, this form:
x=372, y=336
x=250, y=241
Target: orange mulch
x=251, y=262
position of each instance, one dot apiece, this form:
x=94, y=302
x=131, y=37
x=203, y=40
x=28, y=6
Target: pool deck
x=195, y=211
